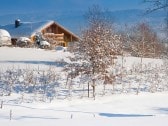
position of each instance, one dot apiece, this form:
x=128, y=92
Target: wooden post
x=1, y=104
x=93, y=87
x=88, y=89
x=71, y=116
x=71, y=38
x=94, y=92
x=10, y=115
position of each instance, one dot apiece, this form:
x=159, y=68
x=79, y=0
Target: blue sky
x=15, y=6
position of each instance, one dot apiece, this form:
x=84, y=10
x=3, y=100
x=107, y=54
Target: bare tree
x=98, y=46
x=156, y=5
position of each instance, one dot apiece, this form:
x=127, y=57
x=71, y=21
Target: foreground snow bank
x=141, y=110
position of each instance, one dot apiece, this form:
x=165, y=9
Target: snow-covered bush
x=5, y=38
x=44, y=44
x=40, y=41
x=23, y=41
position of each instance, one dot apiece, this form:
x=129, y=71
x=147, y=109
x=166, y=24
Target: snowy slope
x=33, y=58
x=38, y=57
x=126, y=109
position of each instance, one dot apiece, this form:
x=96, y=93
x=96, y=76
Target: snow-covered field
x=116, y=109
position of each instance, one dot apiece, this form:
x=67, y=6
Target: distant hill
x=74, y=21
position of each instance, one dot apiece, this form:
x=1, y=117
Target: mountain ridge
x=74, y=20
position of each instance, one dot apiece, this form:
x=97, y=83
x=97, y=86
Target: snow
x=4, y=37
x=4, y=33
x=120, y=109
x=32, y=58
x=45, y=43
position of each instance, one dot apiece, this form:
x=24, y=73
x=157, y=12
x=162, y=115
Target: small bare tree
x=145, y=42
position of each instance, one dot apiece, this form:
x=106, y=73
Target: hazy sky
x=12, y=6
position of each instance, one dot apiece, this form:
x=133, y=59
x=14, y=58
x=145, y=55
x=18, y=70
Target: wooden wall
x=58, y=34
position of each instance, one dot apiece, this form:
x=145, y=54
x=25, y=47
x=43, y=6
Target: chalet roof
x=27, y=29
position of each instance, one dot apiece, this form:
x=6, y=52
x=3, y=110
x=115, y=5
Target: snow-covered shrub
x=41, y=41
x=44, y=44
x=23, y=41
x=5, y=38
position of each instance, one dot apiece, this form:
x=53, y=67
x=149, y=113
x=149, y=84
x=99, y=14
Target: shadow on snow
x=34, y=117
x=50, y=63
x=122, y=115
x=162, y=110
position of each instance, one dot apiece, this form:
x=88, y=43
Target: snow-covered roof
x=26, y=29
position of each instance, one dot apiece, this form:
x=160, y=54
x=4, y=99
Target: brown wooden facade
x=60, y=35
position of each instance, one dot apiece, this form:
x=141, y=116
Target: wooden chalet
x=51, y=30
